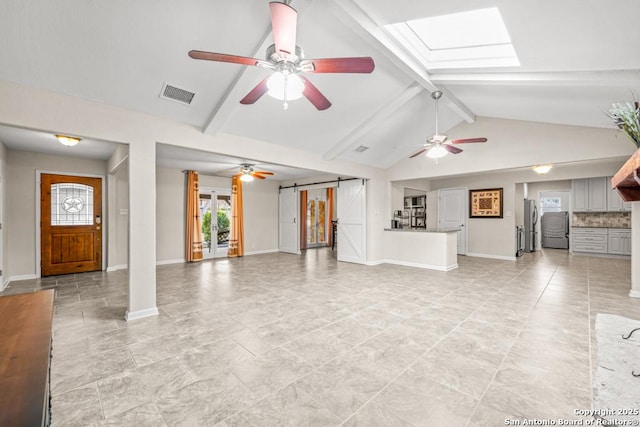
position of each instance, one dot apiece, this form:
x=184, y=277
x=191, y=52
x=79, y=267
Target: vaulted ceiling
x=577, y=57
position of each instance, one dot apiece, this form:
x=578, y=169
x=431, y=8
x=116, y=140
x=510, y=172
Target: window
x=550, y=204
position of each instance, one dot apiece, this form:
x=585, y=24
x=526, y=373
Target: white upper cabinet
x=589, y=195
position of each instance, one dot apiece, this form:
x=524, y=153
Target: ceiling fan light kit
x=287, y=62
x=248, y=174
x=438, y=146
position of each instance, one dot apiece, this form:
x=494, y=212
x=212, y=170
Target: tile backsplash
x=602, y=219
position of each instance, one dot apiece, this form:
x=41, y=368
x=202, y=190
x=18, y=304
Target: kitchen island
x=435, y=249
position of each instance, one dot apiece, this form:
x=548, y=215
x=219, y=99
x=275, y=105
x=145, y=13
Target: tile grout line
x=590, y=331
x=512, y=343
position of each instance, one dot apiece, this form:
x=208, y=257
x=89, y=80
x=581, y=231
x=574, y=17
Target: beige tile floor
x=280, y=339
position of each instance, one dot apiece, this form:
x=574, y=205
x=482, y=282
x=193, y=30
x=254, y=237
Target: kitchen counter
x=600, y=226
x=435, y=249
x=424, y=230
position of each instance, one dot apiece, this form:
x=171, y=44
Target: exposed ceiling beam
x=393, y=49
x=625, y=78
x=231, y=99
x=351, y=140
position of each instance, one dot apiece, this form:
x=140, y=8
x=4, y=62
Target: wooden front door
x=71, y=224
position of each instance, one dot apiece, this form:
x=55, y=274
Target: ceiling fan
x=247, y=174
x=438, y=146
x=287, y=61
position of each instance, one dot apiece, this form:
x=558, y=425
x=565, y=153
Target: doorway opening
x=316, y=219
x=215, y=211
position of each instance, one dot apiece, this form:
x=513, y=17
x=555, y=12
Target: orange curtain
x=303, y=219
x=194, y=231
x=330, y=204
x=236, y=242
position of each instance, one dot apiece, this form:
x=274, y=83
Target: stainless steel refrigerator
x=530, y=221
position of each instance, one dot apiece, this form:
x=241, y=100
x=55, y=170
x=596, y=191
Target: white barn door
x=288, y=229
x=452, y=213
x=352, y=215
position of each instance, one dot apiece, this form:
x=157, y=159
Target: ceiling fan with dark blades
x=288, y=63
x=247, y=173
x=438, y=145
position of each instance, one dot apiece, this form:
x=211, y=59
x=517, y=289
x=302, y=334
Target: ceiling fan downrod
x=436, y=95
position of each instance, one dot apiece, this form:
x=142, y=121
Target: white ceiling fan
x=438, y=145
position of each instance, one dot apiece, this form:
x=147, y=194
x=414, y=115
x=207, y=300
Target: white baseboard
x=634, y=293
x=22, y=277
x=117, y=267
x=171, y=261
x=267, y=251
x=377, y=262
x=500, y=257
x=133, y=315
x=419, y=265
x=3, y=285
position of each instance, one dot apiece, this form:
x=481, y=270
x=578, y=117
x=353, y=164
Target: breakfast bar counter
x=436, y=249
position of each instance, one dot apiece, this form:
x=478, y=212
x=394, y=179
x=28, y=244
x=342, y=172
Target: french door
x=215, y=211
x=316, y=222
x=71, y=224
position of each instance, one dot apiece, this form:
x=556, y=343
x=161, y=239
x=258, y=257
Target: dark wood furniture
x=627, y=179
x=25, y=350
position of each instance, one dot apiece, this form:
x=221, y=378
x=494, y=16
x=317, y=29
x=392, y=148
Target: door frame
x=103, y=178
x=465, y=212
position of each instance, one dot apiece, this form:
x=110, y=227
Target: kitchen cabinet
x=589, y=195
x=593, y=240
x=614, y=201
x=614, y=241
x=619, y=242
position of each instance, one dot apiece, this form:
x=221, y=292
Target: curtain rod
x=321, y=182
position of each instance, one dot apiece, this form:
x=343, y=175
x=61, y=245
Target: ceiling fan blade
x=339, y=65
x=466, y=140
x=284, y=20
x=222, y=57
x=257, y=176
x=256, y=93
x=314, y=95
x=452, y=149
x=263, y=172
x=417, y=153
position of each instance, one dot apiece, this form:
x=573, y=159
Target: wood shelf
x=627, y=179
x=25, y=348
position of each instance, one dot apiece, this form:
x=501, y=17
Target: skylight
x=476, y=38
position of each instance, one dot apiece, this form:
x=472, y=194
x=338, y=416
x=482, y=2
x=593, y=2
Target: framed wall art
x=485, y=203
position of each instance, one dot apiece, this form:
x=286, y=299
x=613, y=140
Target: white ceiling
x=577, y=57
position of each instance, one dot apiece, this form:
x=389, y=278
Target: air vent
x=361, y=149
x=176, y=94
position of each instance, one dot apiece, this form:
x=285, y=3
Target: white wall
x=4, y=261
x=20, y=187
x=121, y=208
x=170, y=214
x=261, y=203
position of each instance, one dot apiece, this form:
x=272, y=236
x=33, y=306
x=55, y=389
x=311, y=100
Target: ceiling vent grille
x=361, y=149
x=176, y=94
